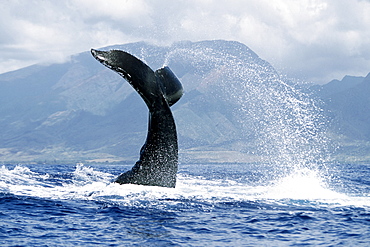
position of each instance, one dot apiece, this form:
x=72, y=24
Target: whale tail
x=149, y=84
x=158, y=161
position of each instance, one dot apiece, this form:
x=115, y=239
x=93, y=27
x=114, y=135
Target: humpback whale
x=158, y=162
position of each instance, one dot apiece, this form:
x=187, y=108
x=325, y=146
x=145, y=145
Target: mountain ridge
x=80, y=111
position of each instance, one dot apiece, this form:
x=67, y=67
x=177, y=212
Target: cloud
x=311, y=39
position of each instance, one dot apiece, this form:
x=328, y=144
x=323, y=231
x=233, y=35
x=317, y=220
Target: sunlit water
x=213, y=205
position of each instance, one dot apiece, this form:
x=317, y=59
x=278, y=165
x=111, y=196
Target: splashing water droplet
x=281, y=124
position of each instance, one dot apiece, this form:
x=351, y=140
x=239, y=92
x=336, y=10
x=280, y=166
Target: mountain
x=82, y=110
x=347, y=103
x=352, y=107
x=236, y=107
x=337, y=86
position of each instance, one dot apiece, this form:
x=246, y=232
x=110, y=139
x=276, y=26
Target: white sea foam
x=304, y=186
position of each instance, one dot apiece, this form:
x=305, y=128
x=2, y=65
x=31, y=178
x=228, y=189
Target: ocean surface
x=212, y=205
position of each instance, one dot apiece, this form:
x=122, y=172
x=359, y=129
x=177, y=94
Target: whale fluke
x=158, y=161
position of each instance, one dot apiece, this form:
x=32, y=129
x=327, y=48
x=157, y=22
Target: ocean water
x=212, y=205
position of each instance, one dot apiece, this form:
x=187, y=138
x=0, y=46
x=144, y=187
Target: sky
x=310, y=40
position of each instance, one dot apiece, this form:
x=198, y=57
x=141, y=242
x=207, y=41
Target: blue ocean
x=223, y=204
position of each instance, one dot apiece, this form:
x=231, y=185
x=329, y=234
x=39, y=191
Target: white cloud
x=313, y=39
